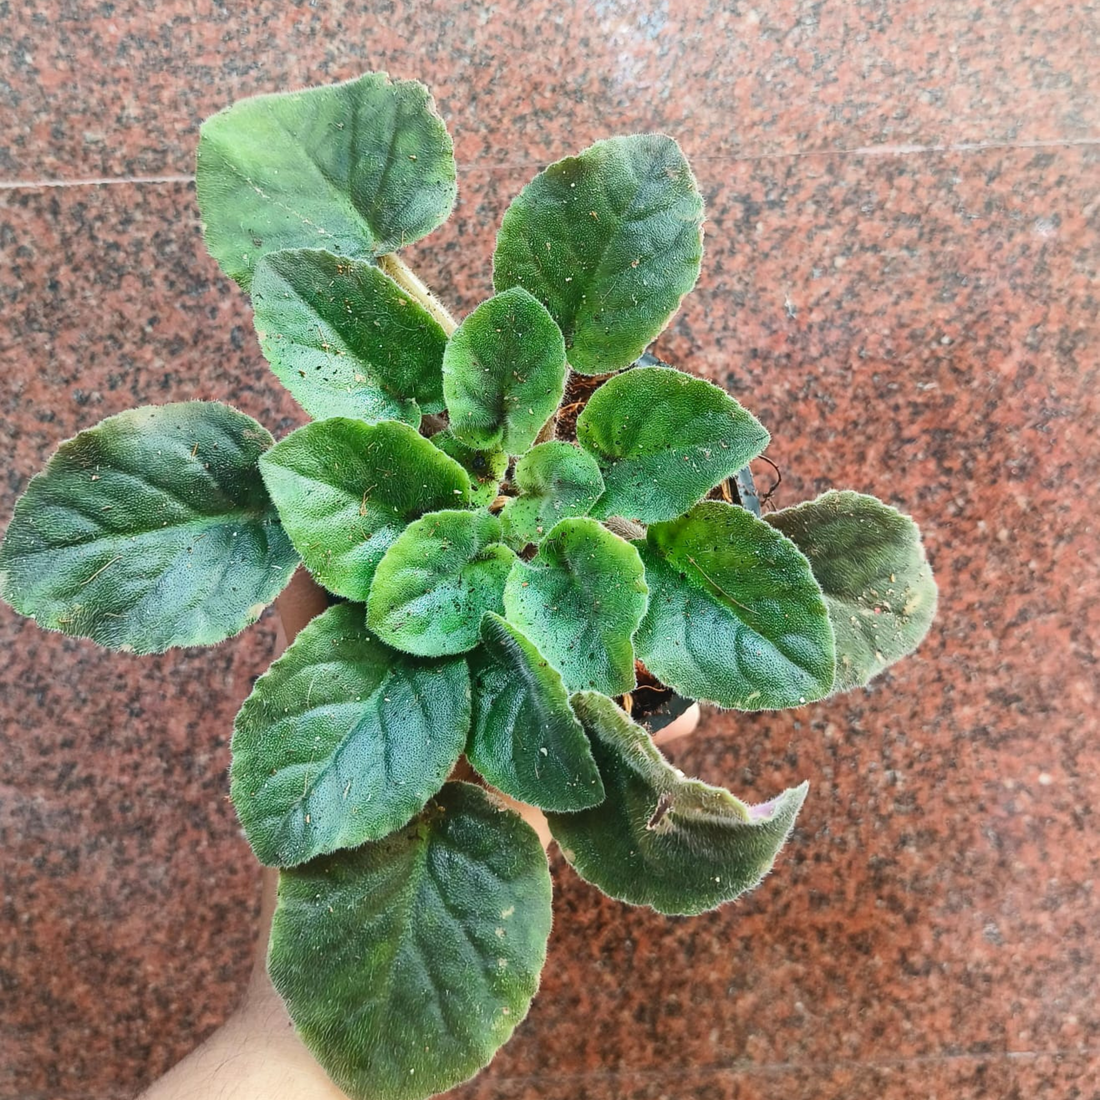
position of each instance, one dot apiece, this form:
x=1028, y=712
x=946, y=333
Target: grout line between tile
x=733, y=158
x=91, y=181
x=746, y=1069
x=738, y=1069
x=760, y=1069
x=921, y=150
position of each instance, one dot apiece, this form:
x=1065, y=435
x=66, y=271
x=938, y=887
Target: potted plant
x=529, y=532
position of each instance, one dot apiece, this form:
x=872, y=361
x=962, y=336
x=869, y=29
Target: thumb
x=299, y=602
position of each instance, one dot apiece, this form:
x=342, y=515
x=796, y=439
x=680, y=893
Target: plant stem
x=625, y=528
x=406, y=278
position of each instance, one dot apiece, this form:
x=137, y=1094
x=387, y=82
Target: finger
x=269, y=888
x=299, y=602
x=531, y=814
x=681, y=727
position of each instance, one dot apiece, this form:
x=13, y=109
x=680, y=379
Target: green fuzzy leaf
x=878, y=585
x=610, y=241
x=436, y=581
x=150, y=530
x=579, y=600
x=486, y=469
x=346, y=490
x=658, y=839
x=735, y=616
x=360, y=168
x=663, y=440
x=345, y=339
x=343, y=740
x=504, y=373
x=407, y=963
x=525, y=739
x=556, y=480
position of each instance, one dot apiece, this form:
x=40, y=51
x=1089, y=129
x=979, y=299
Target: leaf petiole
x=410, y=282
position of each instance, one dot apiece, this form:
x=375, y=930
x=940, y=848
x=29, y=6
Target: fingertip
x=679, y=727
x=302, y=600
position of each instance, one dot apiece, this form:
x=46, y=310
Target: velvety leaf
x=878, y=585
x=579, y=600
x=556, y=480
x=735, y=616
x=663, y=440
x=485, y=468
x=525, y=738
x=658, y=839
x=504, y=373
x=360, y=169
x=610, y=241
x=346, y=490
x=343, y=740
x=406, y=963
x=436, y=581
x=345, y=339
x=150, y=530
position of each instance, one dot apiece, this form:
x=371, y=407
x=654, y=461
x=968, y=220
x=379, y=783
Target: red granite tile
x=921, y=327
x=128, y=893
x=117, y=88
x=1071, y=1077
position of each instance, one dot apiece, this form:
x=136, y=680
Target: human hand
x=257, y=1054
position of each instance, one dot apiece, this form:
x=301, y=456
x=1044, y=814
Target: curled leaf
x=658, y=839
x=556, y=480
x=485, y=468
x=878, y=585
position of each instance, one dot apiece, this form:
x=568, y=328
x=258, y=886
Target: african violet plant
x=511, y=568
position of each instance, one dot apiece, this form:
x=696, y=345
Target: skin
x=256, y=1055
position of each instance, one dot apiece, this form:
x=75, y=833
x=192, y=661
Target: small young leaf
x=663, y=440
x=579, y=600
x=735, y=616
x=504, y=372
x=610, y=241
x=360, y=168
x=345, y=339
x=556, y=481
x=878, y=585
x=485, y=468
x=343, y=740
x=658, y=839
x=438, y=578
x=150, y=530
x=525, y=739
x=346, y=490
x=407, y=963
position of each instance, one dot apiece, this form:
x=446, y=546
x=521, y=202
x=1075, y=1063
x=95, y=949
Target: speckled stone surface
x=921, y=323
